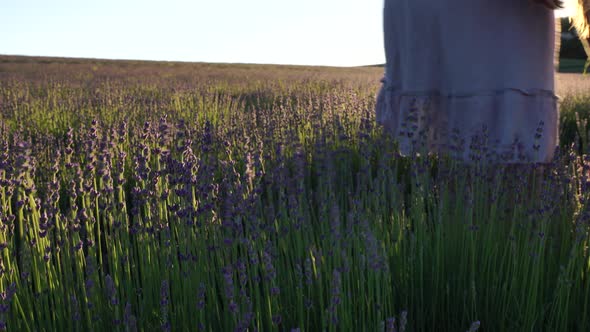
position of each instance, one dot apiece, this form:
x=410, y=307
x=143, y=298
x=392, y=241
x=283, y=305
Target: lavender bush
x=179, y=197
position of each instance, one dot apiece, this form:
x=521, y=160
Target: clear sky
x=309, y=32
x=306, y=32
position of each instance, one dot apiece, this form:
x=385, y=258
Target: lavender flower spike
x=474, y=327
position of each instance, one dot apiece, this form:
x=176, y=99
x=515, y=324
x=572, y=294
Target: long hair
x=581, y=17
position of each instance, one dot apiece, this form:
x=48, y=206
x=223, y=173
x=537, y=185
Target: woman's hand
x=551, y=4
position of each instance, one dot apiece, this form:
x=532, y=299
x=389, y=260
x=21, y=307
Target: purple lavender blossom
x=268, y=266
x=390, y=325
x=111, y=290
x=164, y=301
x=336, y=297
x=474, y=327
x=277, y=320
x=201, y=296
x=308, y=271
x=229, y=288
x=75, y=308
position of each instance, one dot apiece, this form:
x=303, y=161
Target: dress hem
x=508, y=125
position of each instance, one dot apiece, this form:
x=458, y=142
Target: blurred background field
x=77, y=71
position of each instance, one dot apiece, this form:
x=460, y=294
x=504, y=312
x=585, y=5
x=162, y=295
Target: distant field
x=78, y=70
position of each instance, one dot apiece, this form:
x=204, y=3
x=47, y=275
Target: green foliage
x=575, y=117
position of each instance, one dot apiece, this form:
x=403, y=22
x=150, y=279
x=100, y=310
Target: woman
x=471, y=78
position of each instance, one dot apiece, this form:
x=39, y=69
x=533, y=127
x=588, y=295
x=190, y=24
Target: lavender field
x=145, y=196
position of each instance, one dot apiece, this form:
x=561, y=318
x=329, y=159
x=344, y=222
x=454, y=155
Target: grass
x=178, y=196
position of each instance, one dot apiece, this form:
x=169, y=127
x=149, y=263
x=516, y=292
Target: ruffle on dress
x=471, y=127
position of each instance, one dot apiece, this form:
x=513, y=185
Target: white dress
x=472, y=78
